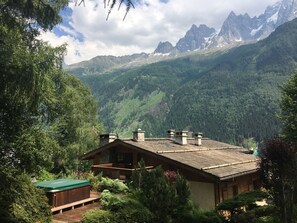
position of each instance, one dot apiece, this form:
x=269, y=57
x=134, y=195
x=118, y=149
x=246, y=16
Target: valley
x=224, y=83
x=229, y=95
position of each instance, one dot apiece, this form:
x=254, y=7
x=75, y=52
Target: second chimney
x=181, y=137
x=198, y=138
x=170, y=133
x=138, y=135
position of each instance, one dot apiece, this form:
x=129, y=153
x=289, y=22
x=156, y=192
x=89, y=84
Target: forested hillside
x=227, y=95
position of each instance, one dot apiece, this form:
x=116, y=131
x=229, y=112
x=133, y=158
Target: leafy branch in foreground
x=111, y=4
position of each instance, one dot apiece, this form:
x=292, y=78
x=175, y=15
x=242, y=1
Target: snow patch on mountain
x=254, y=31
x=236, y=28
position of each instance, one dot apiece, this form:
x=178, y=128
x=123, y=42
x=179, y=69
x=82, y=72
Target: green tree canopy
x=46, y=115
x=20, y=200
x=25, y=62
x=278, y=169
x=289, y=108
x=166, y=194
x=70, y=116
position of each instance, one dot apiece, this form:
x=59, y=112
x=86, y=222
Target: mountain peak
x=287, y=11
x=232, y=14
x=193, y=27
x=201, y=26
x=164, y=47
x=236, y=28
x=195, y=38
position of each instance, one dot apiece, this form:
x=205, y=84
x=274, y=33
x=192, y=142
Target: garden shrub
x=100, y=183
x=265, y=211
x=98, y=216
x=44, y=175
x=111, y=201
x=245, y=217
x=94, y=179
x=118, y=210
x=205, y=217
x=242, y=207
x=166, y=195
x=21, y=201
x=115, y=186
x=260, y=214
x=266, y=219
x=133, y=211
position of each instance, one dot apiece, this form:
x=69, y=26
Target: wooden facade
x=63, y=191
x=62, y=197
x=215, y=171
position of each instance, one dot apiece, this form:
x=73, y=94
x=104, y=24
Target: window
x=104, y=157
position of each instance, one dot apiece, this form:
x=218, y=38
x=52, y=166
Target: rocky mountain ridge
x=237, y=28
x=228, y=95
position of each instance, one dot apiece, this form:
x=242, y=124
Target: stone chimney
x=181, y=137
x=198, y=138
x=190, y=134
x=170, y=133
x=106, y=138
x=138, y=135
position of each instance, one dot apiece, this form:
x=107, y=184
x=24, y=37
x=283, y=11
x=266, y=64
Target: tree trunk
x=284, y=208
x=290, y=201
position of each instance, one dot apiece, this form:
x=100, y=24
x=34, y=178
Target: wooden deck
x=93, y=198
x=76, y=215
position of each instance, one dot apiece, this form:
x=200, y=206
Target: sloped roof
x=219, y=159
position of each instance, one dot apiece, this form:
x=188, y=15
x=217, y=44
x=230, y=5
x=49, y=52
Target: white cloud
x=144, y=26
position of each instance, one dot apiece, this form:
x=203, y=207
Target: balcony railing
x=115, y=172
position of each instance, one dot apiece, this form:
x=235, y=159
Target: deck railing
x=115, y=172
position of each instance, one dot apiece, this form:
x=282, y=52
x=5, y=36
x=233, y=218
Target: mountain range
x=229, y=92
x=236, y=30
x=228, y=95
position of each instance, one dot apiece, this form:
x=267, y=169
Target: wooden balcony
x=115, y=172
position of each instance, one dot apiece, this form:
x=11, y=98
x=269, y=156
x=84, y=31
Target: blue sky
x=67, y=19
x=88, y=34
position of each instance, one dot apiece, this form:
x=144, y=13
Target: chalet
x=216, y=171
